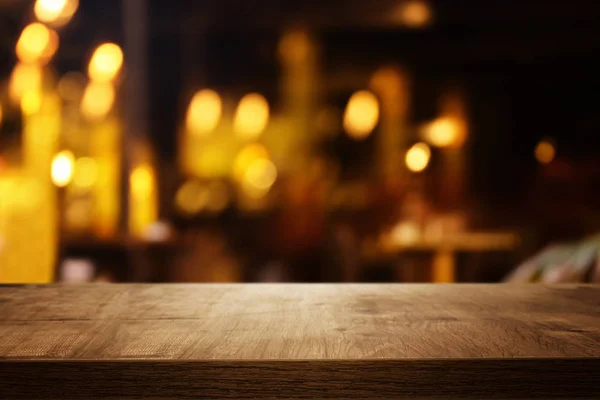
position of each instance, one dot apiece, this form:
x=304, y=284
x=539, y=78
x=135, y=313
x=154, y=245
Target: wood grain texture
x=299, y=341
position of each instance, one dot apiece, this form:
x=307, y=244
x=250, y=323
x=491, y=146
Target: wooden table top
x=299, y=341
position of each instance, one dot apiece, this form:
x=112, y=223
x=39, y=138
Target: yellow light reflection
x=31, y=102
x=414, y=13
x=1, y=115
x=105, y=63
x=55, y=12
x=251, y=116
x=259, y=178
x=247, y=156
x=204, y=112
x=24, y=78
x=417, y=157
x=36, y=43
x=444, y=132
x=62, y=168
x=545, y=152
x=86, y=173
x=98, y=99
x=361, y=115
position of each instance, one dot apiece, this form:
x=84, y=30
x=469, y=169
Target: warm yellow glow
x=361, y=115
x=23, y=260
x=251, y=116
x=50, y=50
x=36, y=43
x=106, y=149
x=105, y=62
x=191, y=197
x=86, y=172
x=414, y=13
x=1, y=115
x=98, y=99
x=545, y=152
x=417, y=157
x=48, y=10
x=247, y=156
x=143, y=199
x=71, y=86
x=24, y=78
x=294, y=46
x=387, y=80
x=142, y=181
x=204, y=112
x=62, y=168
x=444, y=132
x=55, y=12
x=259, y=177
x=31, y=102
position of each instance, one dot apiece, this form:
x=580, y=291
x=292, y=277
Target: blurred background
x=267, y=141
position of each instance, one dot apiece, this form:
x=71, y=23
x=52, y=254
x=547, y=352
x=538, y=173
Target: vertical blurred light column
x=29, y=251
x=97, y=107
x=391, y=86
x=300, y=92
x=449, y=132
x=77, y=198
x=143, y=193
x=140, y=196
x=202, y=120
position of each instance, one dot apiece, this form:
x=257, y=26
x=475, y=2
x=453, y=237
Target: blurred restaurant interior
x=295, y=141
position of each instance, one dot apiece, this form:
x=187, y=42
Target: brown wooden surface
x=299, y=341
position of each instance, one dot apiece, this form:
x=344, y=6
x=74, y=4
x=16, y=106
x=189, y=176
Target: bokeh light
x=142, y=181
x=98, y=99
x=86, y=173
x=48, y=10
x=31, y=102
x=251, y=116
x=361, y=115
x=444, y=132
x=247, y=156
x=191, y=197
x=259, y=177
x=37, y=43
x=204, y=112
x=417, y=157
x=24, y=78
x=545, y=152
x=105, y=63
x=62, y=168
x=414, y=13
x=55, y=12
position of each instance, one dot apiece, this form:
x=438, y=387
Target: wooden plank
x=335, y=379
x=299, y=341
